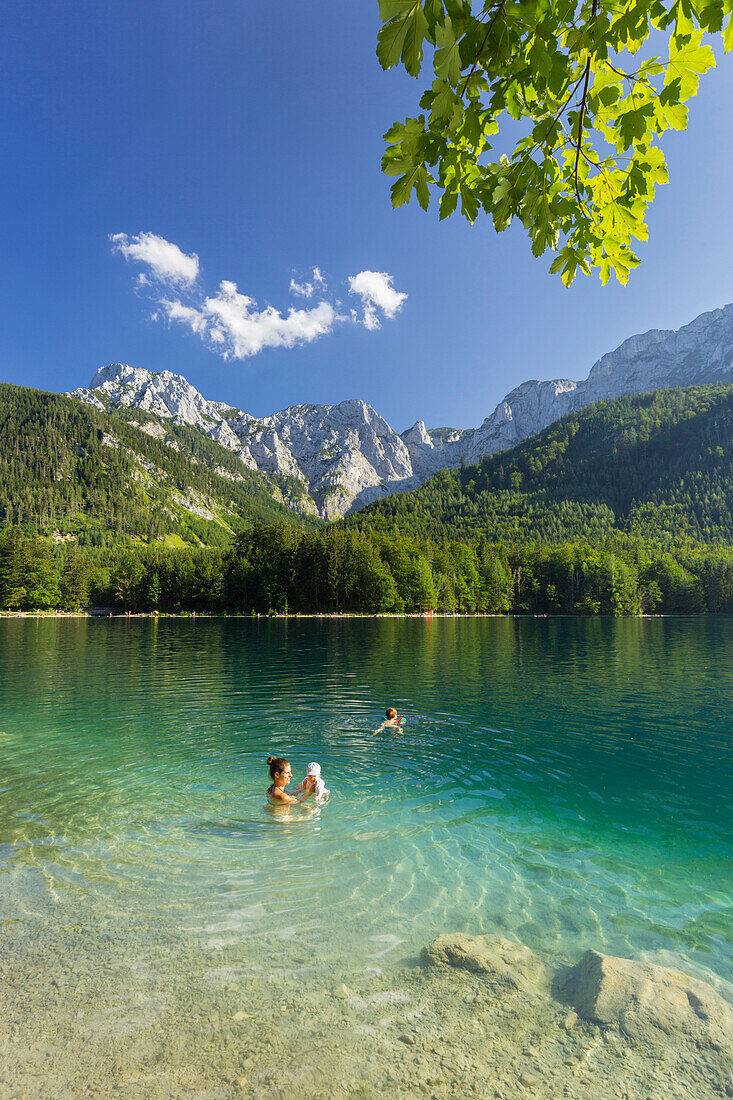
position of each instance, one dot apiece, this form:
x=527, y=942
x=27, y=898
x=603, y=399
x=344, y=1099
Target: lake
x=562, y=783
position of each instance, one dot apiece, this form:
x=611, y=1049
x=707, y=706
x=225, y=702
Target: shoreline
x=104, y=613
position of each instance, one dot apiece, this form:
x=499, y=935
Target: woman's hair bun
x=276, y=765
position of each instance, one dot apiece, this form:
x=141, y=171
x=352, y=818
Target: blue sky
x=250, y=136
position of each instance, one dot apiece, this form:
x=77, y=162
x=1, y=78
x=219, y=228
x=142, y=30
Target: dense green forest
x=276, y=568
x=66, y=467
x=655, y=466
x=622, y=508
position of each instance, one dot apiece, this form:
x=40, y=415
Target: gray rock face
x=346, y=456
x=649, y=1003
x=701, y=352
x=161, y=393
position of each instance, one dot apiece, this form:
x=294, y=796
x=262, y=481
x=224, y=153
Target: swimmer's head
x=278, y=765
x=314, y=769
x=391, y=713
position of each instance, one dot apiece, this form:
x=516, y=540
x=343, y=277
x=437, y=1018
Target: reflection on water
x=564, y=782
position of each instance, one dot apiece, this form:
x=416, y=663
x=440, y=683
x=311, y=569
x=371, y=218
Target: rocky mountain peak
x=417, y=435
x=346, y=455
x=699, y=352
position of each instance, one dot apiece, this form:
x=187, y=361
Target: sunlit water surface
x=566, y=783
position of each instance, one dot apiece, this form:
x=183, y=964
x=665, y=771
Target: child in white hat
x=321, y=791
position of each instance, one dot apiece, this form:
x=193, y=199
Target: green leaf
x=710, y=17
x=530, y=71
x=416, y=179
x=669, y=112
x=422, y=192
x=687, y=62
x=728, y=34
x=609, y=95
x=447, y=59
x=401, y=38
x=631, y=28
x=502, y=203
x=469, y=204
x=390, y=42
x=513, y=100
x=444, y=102
x=388, y=9
x=472, y=129
x=435, y=14
x=633, y=125
x=457, y=9
x=448, y=203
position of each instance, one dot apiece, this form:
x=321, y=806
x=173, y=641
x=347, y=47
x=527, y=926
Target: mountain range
x=332, y=460
x=655, y=467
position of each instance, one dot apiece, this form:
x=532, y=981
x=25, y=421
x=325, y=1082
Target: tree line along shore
x=280, y=569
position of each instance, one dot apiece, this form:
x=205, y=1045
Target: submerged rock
x=648, y=1003
x=506, y=964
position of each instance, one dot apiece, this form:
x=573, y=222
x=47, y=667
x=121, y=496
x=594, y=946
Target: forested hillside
x=654, y=466
x=68, y=468
x=622, y=508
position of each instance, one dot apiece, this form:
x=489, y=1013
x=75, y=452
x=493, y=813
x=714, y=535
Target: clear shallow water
x=567, y=783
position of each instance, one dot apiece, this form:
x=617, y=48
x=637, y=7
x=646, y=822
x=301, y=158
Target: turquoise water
x=566, y=783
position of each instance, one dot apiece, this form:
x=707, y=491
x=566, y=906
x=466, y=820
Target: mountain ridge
x=345, y=456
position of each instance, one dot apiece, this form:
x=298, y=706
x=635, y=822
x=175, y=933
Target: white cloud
x=377, y=293
x=238, y=328
x=233, y=324
x=307, y=290
x=187, y=315
x=166, y=261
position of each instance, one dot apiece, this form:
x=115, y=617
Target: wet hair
x=391, y=712
x=276, y=765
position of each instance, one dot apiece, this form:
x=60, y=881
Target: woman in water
x=281, y=774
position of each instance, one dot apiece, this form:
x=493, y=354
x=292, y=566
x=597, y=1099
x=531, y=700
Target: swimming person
x=281, y=773
x=321, y=789
x=392, y=721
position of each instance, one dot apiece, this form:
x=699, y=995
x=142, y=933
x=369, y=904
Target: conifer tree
x=13, y=568
x=74, y=580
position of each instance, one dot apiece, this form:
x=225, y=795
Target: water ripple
x=566, y=781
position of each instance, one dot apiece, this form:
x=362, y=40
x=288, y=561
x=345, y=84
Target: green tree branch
x=586, y=202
